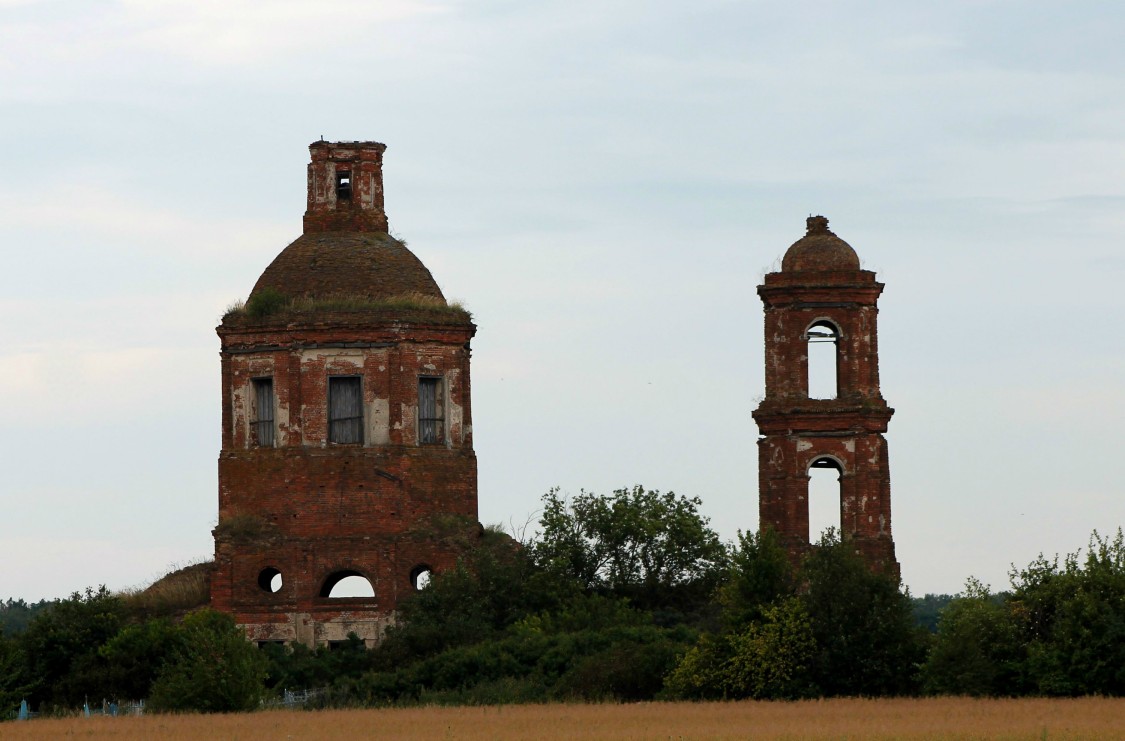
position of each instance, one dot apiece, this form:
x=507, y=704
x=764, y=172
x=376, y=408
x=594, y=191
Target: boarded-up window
x=345, y=410
x=431, y=411
x=263, y=412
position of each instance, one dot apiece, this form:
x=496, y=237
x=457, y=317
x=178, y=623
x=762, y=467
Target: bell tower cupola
x=346, y=187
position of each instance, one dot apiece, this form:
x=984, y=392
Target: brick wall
x=309, y=508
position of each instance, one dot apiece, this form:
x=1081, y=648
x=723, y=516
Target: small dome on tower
x=819, y=250
x=346, y=251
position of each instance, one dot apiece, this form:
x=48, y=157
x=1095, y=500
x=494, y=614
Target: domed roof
x=372, y=265
x=819, y=250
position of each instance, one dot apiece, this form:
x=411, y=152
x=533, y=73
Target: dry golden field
x=943, y=718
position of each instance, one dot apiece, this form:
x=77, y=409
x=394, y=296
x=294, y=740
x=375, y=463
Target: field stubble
x=938, y=718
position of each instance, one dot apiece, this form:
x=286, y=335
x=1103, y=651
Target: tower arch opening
x=824, y=496
x=823, y=338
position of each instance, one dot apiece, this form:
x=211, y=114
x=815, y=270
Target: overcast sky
x=604, y=185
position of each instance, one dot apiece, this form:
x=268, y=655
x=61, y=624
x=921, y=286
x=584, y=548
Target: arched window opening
x=270, y=580
x=420, y=576
x=823, y=359
x=345, y=584
x=824, y=497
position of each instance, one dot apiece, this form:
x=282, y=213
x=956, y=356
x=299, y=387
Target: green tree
x=16, y=614
x=494, y=584
x=61, y=647
x=213, y=669
x=298, y=667
x=15, y=683
x=135, y=657
x=759, y=624
x=760, y=575
x=867, y=643
x=978, y=649
x=768, y=659
x=928, y=609
x=702, y=672
x=655, y=548
x=1072, y=620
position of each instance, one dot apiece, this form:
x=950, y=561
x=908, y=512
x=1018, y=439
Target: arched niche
x=347, y=584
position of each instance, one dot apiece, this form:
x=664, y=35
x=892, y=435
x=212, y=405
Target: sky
x=604, y=184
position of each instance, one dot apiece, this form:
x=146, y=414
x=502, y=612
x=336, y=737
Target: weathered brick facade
x=822, y=292
x=386, y=488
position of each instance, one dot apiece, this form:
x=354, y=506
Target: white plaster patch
x=240, y=404
x=351, y=357
x=282, y=425
x=378, y=421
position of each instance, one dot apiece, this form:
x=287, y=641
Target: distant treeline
x=625, y=597
x=16, y=614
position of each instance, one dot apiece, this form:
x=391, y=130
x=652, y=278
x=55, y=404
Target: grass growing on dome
x=269, y=302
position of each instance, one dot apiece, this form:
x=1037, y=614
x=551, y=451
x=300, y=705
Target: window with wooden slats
x=345, y=410
x=263, y=425
x=431, y=411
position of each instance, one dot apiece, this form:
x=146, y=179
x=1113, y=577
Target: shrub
x=213, y=669
x=266, y=302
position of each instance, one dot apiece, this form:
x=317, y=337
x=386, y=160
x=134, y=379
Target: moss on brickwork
x=245, y=529
x=270, y=305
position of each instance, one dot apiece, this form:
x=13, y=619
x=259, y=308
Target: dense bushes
x=625, y=597
x=1059, y=631
x=81, y=649
x=834, y=628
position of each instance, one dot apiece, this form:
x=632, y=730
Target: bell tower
x=822, y=296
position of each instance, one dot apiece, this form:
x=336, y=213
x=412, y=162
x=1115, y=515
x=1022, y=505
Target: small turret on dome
x=346, y=261
x=819, y=250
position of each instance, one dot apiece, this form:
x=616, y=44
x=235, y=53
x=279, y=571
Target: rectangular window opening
x=345, y=410
x=262, y=426
x=343, y=186
x=431, y=411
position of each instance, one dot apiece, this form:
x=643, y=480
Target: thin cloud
x=109, y=216
x=224, y=32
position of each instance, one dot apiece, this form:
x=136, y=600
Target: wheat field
x=939, y=718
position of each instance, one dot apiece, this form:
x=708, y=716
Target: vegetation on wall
x=270, y=304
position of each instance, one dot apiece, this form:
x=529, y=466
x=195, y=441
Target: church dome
x=819, y=250
x=372, y=265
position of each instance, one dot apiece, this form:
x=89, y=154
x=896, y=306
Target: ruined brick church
x=822, y=295
x=347, y=470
